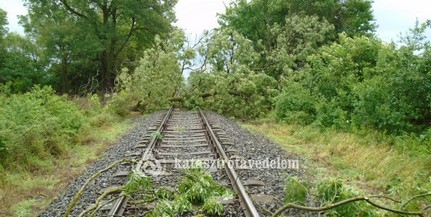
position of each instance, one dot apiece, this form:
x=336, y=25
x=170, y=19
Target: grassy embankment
x=46, y=141
x=371, y=162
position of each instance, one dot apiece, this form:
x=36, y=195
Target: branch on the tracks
x=81, y=191
x=344, y=202
x=96, y=206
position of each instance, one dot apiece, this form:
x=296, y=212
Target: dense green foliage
x=40, y=126
x=21, y=65
x=19, y=60
x=231, y=86
x=197, y=189
x=261, y=46
x=37, y=125
x=79, y=46
x=284, y=32
x=254, y=18
x=156, y=79
x=360, y=82
x=314, y=65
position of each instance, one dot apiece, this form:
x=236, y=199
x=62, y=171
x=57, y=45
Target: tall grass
x=397, y=166
x=36, y=126
x=46, y=140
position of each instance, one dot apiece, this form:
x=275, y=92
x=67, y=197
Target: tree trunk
x=108, y=69
x=64, y=71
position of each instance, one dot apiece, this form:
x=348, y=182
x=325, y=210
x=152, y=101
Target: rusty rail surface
x=120, y=204
x=244, y=199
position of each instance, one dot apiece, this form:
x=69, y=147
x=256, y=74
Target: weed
x=24, y=208
x=157, y=135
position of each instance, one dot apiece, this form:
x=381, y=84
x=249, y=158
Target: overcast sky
x=392, y=16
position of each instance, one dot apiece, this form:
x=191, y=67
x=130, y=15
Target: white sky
x=392, y=16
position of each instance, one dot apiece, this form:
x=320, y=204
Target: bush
x=361, y=83
x=123, y=103
x=36, y=125
x=397, y=100
x=97, y=114
x=295, y=105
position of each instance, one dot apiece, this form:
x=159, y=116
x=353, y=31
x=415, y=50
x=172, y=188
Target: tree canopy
x=89, y=42
x=295, y=27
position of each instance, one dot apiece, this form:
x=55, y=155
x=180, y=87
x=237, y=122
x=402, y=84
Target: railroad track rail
x=186, y=136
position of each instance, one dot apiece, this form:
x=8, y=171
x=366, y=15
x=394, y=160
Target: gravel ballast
x=252, y=148
x=116, y=152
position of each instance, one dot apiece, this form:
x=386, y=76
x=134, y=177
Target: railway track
x=182, y=137
x=186, y=136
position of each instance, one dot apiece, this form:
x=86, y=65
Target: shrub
x=295, y=105
x=36, y=125
x=122, y=103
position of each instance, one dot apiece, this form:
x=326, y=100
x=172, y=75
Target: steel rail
x=245, y=200
x=120, y=204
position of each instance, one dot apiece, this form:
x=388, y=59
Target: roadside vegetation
x=46, y=141
x=367, y=163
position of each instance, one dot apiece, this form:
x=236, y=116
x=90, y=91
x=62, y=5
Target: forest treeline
x=302, y=62
x=315, y=62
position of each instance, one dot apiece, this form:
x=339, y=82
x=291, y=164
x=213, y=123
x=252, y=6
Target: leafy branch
x=196, y=188
x=81, y=190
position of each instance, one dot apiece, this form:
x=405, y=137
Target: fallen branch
x=344, y=202
x=96, y=206
x=105, y=203
x=81, y=191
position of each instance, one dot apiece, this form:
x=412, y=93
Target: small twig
x=81, y=191
x=384, y=197
x=415, y=197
